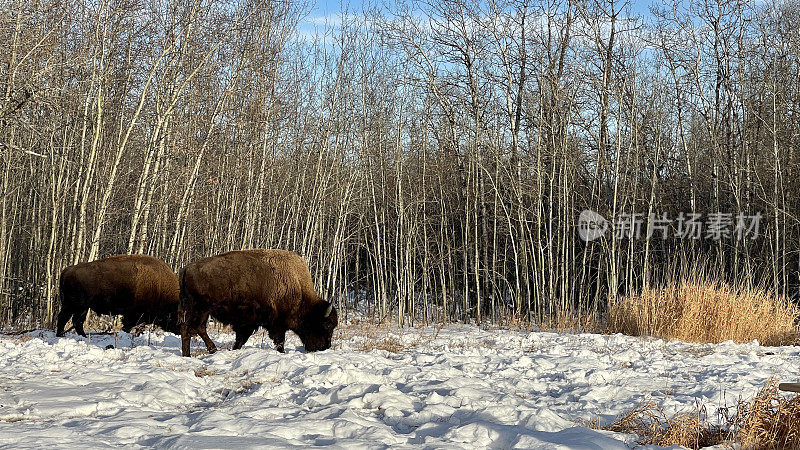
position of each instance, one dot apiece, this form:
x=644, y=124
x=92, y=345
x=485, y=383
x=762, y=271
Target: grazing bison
x=141, y=288
x=251, y=288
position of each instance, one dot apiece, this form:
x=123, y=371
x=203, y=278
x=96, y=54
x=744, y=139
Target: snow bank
x=454, y=387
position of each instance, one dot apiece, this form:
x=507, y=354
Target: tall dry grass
x=703, y=310
x=768, y=421
x=690, y=430
x=579, y=322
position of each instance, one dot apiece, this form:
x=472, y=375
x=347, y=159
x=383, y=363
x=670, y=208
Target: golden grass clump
x=706, y=311
x=690, y=430
x=770, y=420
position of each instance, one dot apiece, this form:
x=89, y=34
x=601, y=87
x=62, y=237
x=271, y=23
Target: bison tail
x=64, y=310
x=183, y=302
x=54, y=313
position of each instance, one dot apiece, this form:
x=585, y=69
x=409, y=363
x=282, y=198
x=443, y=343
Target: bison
x=251, y=288
x=141, y=288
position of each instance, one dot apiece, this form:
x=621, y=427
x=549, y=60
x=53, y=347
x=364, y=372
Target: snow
x=452, y=387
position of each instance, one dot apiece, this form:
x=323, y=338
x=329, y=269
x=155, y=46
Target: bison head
x=317, y=329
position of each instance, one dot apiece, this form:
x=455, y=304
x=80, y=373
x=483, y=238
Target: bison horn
x=329, y=311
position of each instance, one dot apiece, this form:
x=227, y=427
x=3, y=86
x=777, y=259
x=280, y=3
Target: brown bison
x=251, y=288
x=141, y=288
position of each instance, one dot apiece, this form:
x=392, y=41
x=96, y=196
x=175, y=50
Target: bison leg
x=242, y=335
x=278, y=336
x=63, y=317
x=189, y=328
x=204, y=336
x=77, y=321
x=201, y=330
x=186, y=339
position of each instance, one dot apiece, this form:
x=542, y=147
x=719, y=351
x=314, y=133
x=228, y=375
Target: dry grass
x=514, y=321
x=390, y=344
x=13, y=419
x=585, y=322
x=204, y=372
x=769, y=421
x=102, y=323
x=691, y=430
x=706, y=311
x=366, y=336
x=21, y=339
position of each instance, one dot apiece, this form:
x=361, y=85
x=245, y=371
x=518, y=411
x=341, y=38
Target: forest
x=429, y=159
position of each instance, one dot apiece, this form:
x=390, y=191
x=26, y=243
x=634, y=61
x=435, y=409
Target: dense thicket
x=429, y=159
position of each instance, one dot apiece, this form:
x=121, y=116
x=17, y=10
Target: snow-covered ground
x=379, y=387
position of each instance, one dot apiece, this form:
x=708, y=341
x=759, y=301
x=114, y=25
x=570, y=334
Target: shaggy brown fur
x=251, y=288
x=141, y=288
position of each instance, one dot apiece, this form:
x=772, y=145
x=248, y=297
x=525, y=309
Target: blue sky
x=322, y=12
x=322, y=8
